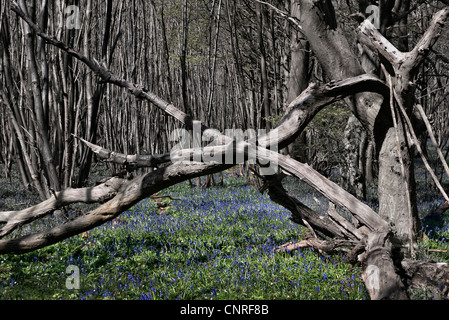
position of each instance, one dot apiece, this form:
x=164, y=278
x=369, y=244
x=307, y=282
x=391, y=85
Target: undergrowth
x=208, y=243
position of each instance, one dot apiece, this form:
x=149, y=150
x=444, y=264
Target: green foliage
x=326, y=132
x=274, y=119
x=333, y=117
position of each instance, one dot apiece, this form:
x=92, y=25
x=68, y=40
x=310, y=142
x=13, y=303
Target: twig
x=432, y=138
x=282, y=13
x=421, y=153
x=163, y=196
x=320, y=245
x=437, y=250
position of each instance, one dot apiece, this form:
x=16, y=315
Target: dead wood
x=328, y=246
x=380, y=274
x=427, y=276
x=130, y=161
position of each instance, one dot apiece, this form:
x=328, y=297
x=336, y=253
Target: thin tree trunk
x=93, y=97
x=183, y=58
x=41, y=123
x=213, y=64
x=263, y=66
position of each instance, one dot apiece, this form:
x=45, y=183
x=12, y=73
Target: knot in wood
x=137, y=90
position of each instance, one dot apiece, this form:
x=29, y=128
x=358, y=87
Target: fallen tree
x=367, y=237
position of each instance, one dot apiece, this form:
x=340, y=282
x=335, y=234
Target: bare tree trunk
x=369, y=164
x=393, y=203
x=38, y=102
x=263, y=66
x=183, y=58
x=31, y=167
x=352, y=170
x=403, y=66
x=213, y=61
x=332, y=49
x=298, y=77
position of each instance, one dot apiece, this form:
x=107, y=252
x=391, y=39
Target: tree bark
x=183, y=60
x=380, y=275
x=94, y=91
x=352, y=170
x=298, y=77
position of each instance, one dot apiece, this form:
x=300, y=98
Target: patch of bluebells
x=212, y=243
x=235, y=257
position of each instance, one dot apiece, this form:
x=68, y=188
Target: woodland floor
x=208, y=243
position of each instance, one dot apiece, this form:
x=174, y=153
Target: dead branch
x=328, y=246
x=97, y=194
x=131, y=161
x=130, y=193
x=437, y=250
x=283, y=14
